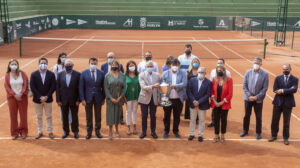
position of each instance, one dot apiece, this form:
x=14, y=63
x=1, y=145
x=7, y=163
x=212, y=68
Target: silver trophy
x=164, y=99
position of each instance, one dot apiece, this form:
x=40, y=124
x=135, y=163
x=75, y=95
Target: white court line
x=295, y=116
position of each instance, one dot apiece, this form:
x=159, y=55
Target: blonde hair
x=191, y=64
x=217, y=77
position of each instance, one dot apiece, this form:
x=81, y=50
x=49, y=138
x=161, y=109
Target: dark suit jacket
x=39, y=89
x=89, y=89
x=287, y=98
x=104, y=68
x=202, y=96
x=64, y=94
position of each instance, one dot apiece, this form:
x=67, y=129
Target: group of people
x=140, y=85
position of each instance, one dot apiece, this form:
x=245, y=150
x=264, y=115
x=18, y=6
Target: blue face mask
x=69, y=67
x=195, y=65
x=93, y=67
x=13, y=67
x=43, y=66
x=149, y=69
x=63, y=60
x=110, y=60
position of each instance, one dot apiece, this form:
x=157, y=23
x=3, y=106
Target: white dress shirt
x=43, y=76
x=199, y=84
x=173, y=93
x=68, y=78
x=95, y=74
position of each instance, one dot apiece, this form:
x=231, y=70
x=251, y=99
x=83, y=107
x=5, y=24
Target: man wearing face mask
x=213, y=73
x=177, y=80
x=285, y=86
x=199, y=92
x=255, y=85
x=67, y=97
x=186, y=58
x=92, y=95
x=142, y=65
x=106, y=68
x=42, y=84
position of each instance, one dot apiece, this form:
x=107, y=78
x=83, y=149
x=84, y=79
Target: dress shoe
x=65, y=135
x=166, y=135
x=177, y=135
x=98, y=134
x=88, y=136
x=191, y=137
x=286, y=142
x=143, y=135
x=211, y=125
x=243, y=134
x=39, y=135
x=23, y=136
x=258, y=136
x=51, y=136
x=154, y=135
x=200, y=139
x=76, y=135
x=14, y=137
x=272, y=139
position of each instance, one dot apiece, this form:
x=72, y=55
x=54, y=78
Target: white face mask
x=131, y=68
x=220, y=65
x=13, y=67
x=256, y=66
x=43, y=66
x=200, y=76
x=174, y=68
x=93, y=67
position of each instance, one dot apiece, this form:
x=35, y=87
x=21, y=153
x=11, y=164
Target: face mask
x=149, y=69
x=69, y=67
x=110, y=60
x=220, y=73
x=174, y=68
x=148, y=58
x=114, y=68
x=256, y=66
x=63, y=60
x=286, y=72
x=220, y=65
x=195, y=65
x=131, y=68
x=200, y=76
x=43, y=66
x=93, y=67
x=188, y=52
x=13, y=67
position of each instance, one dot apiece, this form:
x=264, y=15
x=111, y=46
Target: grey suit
x=259, y=90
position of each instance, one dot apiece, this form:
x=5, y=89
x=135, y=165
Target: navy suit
x=92, y=91
x=283, y=103
x=105, y=69
x=68, y=96
x=39, y=89
x=202, y=95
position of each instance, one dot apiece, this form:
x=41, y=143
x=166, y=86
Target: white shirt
x=16, y=84
x=95, y=74
x=43, y=76
x=213, y=74
x=199, y=84
x=185, y=61
x=173, y=93
x=68, y=78
x=142, y=66
x=57, y=69
x=150, y=78
x=255, y=77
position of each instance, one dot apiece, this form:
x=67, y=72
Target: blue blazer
x=89, y=89
x=104, y=68
x=287, y=98
x=202, y=96
x=181, y=83
x=39, y=89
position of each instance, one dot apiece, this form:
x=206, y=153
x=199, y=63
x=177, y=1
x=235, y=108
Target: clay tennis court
x=129, y=151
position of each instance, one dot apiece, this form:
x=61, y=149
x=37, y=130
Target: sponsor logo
x=28, y=25
x=19, y=25
x=222, y=24
x=68, y=21
x=104, y=22
x=55, y=22
x=144, y=23
x=80, y=22
x=254, y=23
x=200, y=24
x=298, y=23
x=40, y=28
x=128, y=23
x=271, y=24
x=43, y=21
x=36, y=23
x=9, y=28
x=1, y=40
x=176, y=23
x=48, y=20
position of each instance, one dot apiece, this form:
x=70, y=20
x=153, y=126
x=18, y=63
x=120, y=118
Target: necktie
x=93, y=76
x=286, y=80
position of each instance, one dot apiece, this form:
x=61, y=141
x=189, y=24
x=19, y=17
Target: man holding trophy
x=149, y=97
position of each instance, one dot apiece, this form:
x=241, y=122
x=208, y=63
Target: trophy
x=164, y=99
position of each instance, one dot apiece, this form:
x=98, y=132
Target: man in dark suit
x=67, y=97
x=285, y=86
x=42, y=85
x=91, y=93
x=199, y=92
x=106, y=67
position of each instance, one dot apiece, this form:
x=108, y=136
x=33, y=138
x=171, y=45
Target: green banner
x=1, y=34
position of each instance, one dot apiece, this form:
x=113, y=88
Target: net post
x=293, y=37
x=142, y=48
x=265, y=48
x=250, y=30
x=262, y=29
x=20, y=46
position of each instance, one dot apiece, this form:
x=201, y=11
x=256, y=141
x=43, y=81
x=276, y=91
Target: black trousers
x=220, y=116
x=146, y=109
x=212, y=117
x=176, y=107
x=287, y=111
x=65, y=113
x=89, y=116
x=187, y=109
x=258, y=114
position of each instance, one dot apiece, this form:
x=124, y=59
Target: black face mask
x=148, y=58
x=220, y=73
x=69, y=67
x=188, y=52
x=286, y=72
x=114, y=68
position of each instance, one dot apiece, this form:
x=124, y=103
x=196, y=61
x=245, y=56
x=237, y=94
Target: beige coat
x=146, y=88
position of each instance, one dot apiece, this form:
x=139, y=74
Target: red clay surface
x=234, y=153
